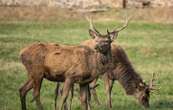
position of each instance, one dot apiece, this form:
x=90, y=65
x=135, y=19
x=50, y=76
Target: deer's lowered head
x=143, y=92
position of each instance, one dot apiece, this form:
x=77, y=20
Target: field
x=149, y=46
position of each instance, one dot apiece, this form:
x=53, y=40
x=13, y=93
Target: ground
x=148, y=45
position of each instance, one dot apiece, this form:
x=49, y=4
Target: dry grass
x=35, y=13
x=163, y=15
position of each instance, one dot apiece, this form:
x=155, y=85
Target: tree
x=124, y=3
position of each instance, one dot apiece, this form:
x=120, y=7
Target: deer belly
x=54, y=77
x=83, y=79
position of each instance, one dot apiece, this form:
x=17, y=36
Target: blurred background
x=148, y=42
x=150, y=10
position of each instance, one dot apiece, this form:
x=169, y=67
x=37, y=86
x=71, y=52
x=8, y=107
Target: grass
x=148, y=45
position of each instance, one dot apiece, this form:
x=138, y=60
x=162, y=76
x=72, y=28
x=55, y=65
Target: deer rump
x=55, y=62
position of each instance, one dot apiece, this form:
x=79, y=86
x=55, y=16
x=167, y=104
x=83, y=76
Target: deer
x=91, y=44
x=124, y=72
x=126, y=75
x=67, y=64
x=129, y=79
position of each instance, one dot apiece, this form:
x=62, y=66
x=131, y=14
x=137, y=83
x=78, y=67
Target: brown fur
x=68, y=64
x=125, y=74
x=56, y=62
x=124, y=71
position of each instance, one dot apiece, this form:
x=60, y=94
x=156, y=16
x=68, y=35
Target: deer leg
x=83, y=96
x=57, y=92
x=23, y=91
x=36, y=93
x=110, y=93
x=93, y=91
x=66, y=89
x=108, y=88
x=65, y=106
x=88, y=97
x=71, y=98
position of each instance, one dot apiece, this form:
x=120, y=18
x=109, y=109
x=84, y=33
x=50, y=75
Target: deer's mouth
x=145, y=102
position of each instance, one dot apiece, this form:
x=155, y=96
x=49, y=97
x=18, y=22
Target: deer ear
x=113, y=35
x=93, y=34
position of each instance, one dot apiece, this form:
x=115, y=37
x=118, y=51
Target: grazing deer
x=124, y=72
x=91, y=44
x=126, y=75
x=68, y=64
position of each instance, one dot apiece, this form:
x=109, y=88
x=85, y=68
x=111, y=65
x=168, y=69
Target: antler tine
x=152, y=80
x=90, y=22
x=125, y=25
x=89, y=19
x=151, y=85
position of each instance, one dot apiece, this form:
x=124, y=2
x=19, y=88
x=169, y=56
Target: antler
x=92, y=27
x=151, y=84
x=125, y=25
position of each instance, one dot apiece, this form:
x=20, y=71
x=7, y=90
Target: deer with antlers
x=68, y=64
x=128, y=78
x=125, y=74
x=92, y=44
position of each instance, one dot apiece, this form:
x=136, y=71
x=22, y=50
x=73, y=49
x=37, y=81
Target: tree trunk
x=124, y=3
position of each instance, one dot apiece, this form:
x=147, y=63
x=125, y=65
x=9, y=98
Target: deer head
x=143, y=92
x=103, y=41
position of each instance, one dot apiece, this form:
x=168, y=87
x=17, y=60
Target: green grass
x=149, y=47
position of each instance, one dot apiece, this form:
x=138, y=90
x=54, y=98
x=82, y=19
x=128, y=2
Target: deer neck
x=98, y=65
x=103, y=62
x=105, y=58
x=128, y=78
